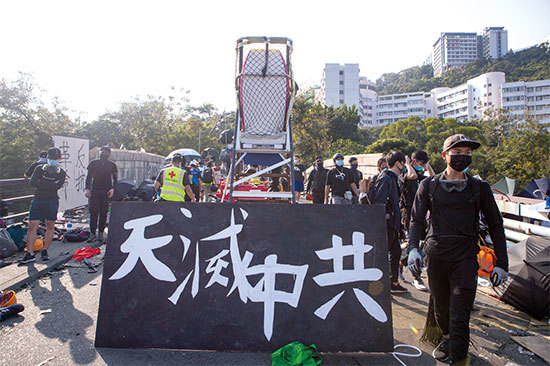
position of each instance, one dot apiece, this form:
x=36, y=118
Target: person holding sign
x=47, y=179
x=102, y=176
x=455, y=200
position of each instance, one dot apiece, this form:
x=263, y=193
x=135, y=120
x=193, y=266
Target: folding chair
x=265, y=91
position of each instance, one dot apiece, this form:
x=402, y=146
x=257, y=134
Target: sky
x=94, y=55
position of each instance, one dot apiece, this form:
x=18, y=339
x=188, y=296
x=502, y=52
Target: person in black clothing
x=356, y=176
x=42, y=159
x=408, y=184
x=387, y=193
x=455, y=200
x=340, y=183
x=299, y=170
x=317, y=180
x=102, y=176
x=47, y=179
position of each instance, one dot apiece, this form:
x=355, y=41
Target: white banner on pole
x=75, y=154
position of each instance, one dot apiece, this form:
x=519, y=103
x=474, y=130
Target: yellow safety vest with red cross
x=172, y=185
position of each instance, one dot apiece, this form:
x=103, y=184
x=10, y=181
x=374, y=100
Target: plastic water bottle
x=69, y=225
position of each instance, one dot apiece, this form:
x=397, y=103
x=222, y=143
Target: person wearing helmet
x=340, y=183
x=455, y=199
x=102, y=176
x=174, y=183
x=47, y=180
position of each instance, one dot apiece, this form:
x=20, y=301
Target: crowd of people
x=437, y=214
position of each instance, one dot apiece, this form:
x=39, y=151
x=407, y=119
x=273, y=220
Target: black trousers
x=453, y=288
x=394, y=250
x=99, y=207
x=318, y=196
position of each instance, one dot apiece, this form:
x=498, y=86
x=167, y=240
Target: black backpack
x=207, y=176
x=77, y=235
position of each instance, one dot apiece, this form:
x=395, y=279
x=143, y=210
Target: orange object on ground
x=8, y=298
x=487, y=261
x=85, y=252
x=38, y=244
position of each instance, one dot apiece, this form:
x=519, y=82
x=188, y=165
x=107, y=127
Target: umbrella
x=536, y=189
x=505, y=186
x=210, y=151
x=122, y=187
x=528, y=287
x=146, y=190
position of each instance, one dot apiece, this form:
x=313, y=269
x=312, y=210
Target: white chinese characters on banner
x=74, y=161
x=263, y=291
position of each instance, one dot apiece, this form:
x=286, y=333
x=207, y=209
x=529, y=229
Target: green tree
x=392, y=144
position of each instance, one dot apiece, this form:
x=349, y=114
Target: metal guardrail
x=20, y=183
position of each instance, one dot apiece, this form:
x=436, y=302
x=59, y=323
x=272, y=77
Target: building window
x=341, y=101
x=341, y=73
x=341, y=92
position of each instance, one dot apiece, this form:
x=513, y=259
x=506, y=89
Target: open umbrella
x=528, y=287
x=146, y=190
x=122, y=187
x=536, y=189
x=505, y=186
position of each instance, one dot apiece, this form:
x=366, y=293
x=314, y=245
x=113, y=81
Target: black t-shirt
x=186, y=180
x=102, y=174
x=298, y=172
x=408, y=189
x=47, y=182
x=339, y=179
x=356, y=176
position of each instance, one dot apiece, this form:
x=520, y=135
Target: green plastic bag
x=295, y=354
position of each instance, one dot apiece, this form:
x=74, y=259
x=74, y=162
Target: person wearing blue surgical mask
x=340, y=183
x=47, y=179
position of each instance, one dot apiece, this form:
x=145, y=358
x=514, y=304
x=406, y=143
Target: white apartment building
x=495, y=42
x=527, y=98
x=392, y=108
x=470, y=100
x=340, y=85
x=451, y=50
x=367, y=102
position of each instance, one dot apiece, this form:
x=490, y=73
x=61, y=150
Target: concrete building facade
x=495, y=42
x=451, y=50
x=529, y=99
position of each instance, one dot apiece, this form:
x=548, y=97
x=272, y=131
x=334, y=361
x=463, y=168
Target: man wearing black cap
x=42, y=159
x=47, y=179
x=340, y=183
x=102, y=176
x=455, y=199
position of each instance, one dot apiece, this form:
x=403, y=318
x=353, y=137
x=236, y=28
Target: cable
x=395, y=354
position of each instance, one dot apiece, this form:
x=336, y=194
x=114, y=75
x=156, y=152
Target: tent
x=528, y=286
x=505, y=186
x=536, y=189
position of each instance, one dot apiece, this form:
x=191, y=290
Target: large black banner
x=249, y=277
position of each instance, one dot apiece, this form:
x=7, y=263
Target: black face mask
x=320, y=165
x=104, y=156
x=460, y=162
x=353, y=166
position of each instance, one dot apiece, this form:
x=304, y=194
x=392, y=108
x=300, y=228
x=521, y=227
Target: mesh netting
x=264, y=99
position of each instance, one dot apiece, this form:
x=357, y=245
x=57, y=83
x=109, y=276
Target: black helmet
x=338, y=156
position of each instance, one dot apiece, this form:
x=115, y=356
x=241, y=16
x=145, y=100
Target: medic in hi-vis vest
x=174, y=182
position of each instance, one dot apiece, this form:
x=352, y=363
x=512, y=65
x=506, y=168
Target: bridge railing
x=17, y=193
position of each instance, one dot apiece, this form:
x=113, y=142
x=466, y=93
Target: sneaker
x=92, y=238
x=10, y=311
x=401, y=277
x=398, y=289
x=100, y=238
x=419, y=285
x=44, y=255
x=28, y=258
x=441, y=352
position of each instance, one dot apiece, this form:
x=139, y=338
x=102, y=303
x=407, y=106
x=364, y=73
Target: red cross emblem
x=172, y=175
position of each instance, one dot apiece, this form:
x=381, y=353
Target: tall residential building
x=451, y=50
x=340, y=85
x=495, y=42
x=527, y=98
x=367, y=102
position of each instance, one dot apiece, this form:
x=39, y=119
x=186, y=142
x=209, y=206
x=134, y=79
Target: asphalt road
x=65, y=336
